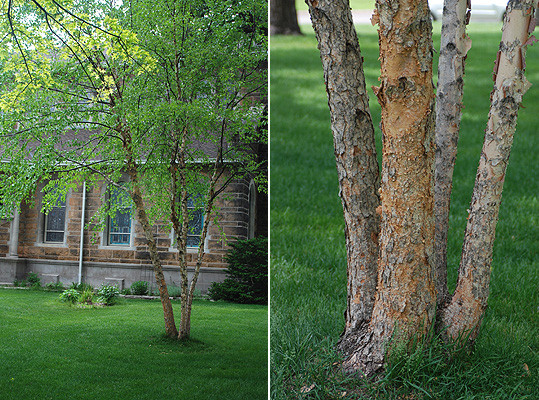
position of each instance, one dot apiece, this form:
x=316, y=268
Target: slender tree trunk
x=465, y=312
x=355, y=154
x=283, y=18
x=181, y=232
x=453, y=48
x=187, y=302
x=142, y=217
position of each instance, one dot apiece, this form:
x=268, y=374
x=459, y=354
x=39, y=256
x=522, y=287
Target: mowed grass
x=308, y=269
x=49, y=350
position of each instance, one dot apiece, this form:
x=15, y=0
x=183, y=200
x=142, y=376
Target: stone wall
x=124, y=262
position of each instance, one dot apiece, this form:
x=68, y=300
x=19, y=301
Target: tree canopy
x=77, y=76
x=164, y=101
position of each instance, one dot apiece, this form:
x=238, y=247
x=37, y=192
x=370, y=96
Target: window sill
x=116, y=247
x=190, y=250
x=51, y=244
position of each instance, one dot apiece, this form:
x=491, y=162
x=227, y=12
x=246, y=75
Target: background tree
x=406, y=291
x=166, y=94
x=283, y=18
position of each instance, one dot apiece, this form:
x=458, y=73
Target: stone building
x=59, y=247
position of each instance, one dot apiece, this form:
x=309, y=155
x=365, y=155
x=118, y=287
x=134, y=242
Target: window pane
x=54, y=237
x=121, y=222
x=120, y=227
x=56, y=219
x=55, y=225
x=193, y=241
x=116, y=238
x=195, y=222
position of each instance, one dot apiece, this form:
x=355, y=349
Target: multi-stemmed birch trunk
x=163, y=92
x=396, y=224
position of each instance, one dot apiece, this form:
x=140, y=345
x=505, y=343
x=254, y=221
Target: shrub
x=174, y=291
x=21, y=283
x=107, y=294
x=87, y=296
x=139, y=288
x=54, y=286
x=81, y=287
x=126, y=291
x=247, y=273
x=70, y=296
x=33, y=280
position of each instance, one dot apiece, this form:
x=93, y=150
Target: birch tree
x=396, y=222
x=167, y=93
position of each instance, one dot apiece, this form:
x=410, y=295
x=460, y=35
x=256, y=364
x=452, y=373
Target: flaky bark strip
x=142, y=217
x=355, y=153
x=185, y=324
x=406, y=296
x=463, y=315
x=181, y=237
x=453, y=48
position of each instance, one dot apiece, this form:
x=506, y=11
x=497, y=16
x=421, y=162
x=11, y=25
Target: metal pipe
x=14, y=240
x=82, y=230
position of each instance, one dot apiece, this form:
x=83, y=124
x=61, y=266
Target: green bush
x=33, y=280
x=81, y=287
x=139, y=288
x=55, y=286
x=87, y=296
x=107, y=294
x=70, y=296
x=247, y=273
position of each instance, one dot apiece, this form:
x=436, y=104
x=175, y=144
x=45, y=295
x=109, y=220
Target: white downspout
x=82, y=230
x=14, y=242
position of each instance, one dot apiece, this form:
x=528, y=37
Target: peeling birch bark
x=142, y=217
x=464, y=314
x=453, y=48
x=406, y=295
x=355, y=154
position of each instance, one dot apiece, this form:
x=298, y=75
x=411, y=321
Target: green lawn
x=49, y=350
x=308, y=273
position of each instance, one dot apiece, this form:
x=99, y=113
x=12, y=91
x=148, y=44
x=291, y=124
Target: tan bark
x=142, y=217
x=406, y=295
x=355, y=154
x=465, y=312
x=453, y=48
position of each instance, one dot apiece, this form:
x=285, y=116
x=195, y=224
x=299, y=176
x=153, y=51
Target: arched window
x=119, y=224
x=196, y=221
x=54, y=224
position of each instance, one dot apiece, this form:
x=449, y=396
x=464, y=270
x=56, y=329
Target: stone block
x=49, y=278
x=118, y=282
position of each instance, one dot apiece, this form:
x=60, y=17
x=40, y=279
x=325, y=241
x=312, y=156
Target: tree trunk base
x=362, y=352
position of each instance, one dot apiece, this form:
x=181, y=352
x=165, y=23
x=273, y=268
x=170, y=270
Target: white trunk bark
x=453, y=48
x=463, y=315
